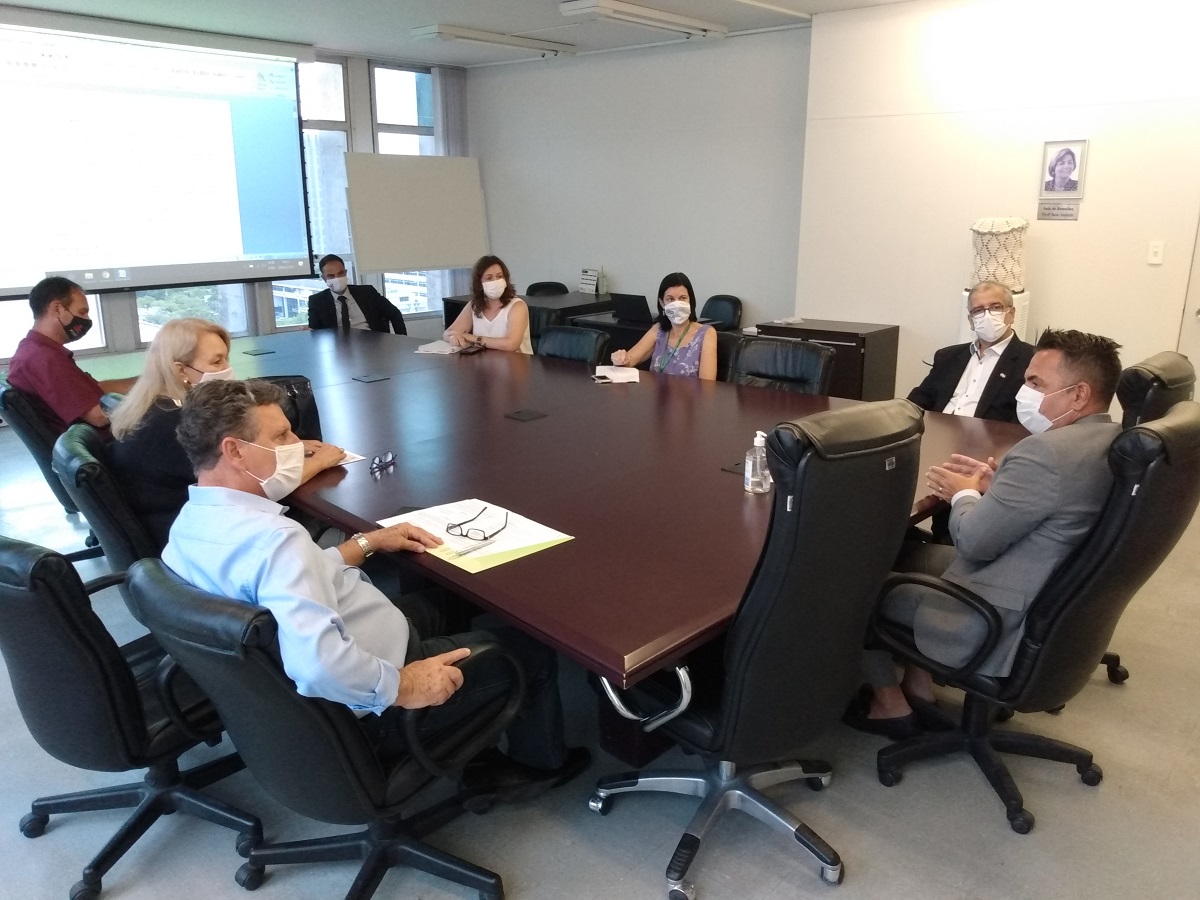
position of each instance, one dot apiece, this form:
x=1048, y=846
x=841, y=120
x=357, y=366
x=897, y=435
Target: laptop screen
x=631, y=308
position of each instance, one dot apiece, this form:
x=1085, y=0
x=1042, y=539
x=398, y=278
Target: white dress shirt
x=357, y=319
x=975, y=377
x=339, y=636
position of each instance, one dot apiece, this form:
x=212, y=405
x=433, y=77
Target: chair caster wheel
x=684, y=890
x=818, y=783
x=1092, y=775
x=890, y=777
x=833, y=874
x=1021, y=821
x=246, y=842
x=1118, y=674
x=1004, y=715
x=33, y=825
x=480, y=804
x=250, y=877
x=83, y=890
x=600, y=803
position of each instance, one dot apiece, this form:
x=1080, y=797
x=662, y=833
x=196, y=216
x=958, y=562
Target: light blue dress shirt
x=339, y=636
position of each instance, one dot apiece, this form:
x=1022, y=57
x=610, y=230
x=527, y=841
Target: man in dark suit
x=979, y=379
x=350, y=305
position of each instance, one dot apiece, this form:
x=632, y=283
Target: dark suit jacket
x=323, y=312
x=999, y=398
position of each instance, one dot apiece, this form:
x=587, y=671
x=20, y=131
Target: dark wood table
x=665, y=541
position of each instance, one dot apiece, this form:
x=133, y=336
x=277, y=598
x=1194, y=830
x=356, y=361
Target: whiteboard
x=414, y=212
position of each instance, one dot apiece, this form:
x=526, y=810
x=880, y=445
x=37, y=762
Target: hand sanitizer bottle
x=758, y=476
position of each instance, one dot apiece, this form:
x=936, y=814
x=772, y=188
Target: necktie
x=345, y=314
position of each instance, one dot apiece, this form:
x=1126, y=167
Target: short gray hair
x=1003, y=289
x=215, y=410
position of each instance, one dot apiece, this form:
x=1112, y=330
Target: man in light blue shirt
x=340, y=637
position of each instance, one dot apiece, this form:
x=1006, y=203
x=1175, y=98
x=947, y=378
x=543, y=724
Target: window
x=224, y=304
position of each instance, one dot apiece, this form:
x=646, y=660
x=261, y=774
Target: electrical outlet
x=1155, y=256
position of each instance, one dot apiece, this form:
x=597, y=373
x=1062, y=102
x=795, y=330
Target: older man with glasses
x=981, y=378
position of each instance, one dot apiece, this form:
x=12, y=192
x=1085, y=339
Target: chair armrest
x=164, y=678
x=454, y=762
x=104, y=581
x=881, y=627
x=651, y=722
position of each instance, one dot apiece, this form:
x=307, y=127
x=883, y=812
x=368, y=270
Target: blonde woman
x=146, y=459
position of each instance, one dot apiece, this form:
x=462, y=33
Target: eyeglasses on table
x=475, y=534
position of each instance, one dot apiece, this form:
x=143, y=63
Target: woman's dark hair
x=675, y=279
x=478, y=297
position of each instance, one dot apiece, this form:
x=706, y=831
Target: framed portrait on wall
x=1062, y=170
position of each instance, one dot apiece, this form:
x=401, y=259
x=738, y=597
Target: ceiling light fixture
x=633, y=14
x=455, y=33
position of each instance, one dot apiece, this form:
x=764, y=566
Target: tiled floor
x=939, y=834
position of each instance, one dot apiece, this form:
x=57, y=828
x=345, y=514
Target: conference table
x=665, y=539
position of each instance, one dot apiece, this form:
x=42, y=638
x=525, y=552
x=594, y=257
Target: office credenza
x=864, y=365
x=561, y=307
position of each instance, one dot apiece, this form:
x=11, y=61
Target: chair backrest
x=546, y=289
x=74, y=688
x=1156, y=467
x=29, y=418
x=309, y=754
x=568, y=342
x=80, y=462
x=727, y=345
x=299, y=405
x=1147, y=390
x=782, y=363
x=844, y=486
x=725, y=310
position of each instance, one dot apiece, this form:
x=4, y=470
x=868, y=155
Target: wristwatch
x=364, y=544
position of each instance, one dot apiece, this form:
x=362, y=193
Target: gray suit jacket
x=1043, y=500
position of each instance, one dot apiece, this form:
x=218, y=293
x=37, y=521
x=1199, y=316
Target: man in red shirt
x=44, y=367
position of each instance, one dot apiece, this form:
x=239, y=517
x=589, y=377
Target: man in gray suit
x=1012, y=524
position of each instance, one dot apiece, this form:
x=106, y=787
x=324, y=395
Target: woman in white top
x=496, y=317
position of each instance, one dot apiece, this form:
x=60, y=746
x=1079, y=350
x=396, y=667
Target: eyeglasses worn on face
x=994, y=308
x=475, y=534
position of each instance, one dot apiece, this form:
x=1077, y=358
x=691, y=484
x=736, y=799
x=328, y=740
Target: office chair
x=97, y=706
x=29, y=418
x=310, y=754
x=782, y=363
x=541, y=318
x=568, y=342
x=1146, y=391
x=1156, y=467
x=80, y=462
x=546, y=289
x=727, y=344
x=790, y=662
x=725, y=311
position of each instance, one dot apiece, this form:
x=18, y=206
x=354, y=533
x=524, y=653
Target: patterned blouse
x=684, y=361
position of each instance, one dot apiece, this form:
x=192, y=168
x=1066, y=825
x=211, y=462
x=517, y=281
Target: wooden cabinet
x=864, y=364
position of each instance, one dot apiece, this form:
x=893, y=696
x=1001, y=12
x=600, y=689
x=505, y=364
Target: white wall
x=924, y=116
x=684, y=157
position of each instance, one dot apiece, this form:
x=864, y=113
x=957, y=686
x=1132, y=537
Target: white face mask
x=337, y=285
x=289, y=469
x=494, y=289
x=225, y=374
x=677, y=311
x=990, y=327
x=1029, y=409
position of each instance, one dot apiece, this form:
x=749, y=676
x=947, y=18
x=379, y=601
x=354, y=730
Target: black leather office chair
x=97, y=706
x=790, y=662
x=727, y=344
x=1146, y=391
x=568, y=342
x=299, y=405
x=725, y=311
x=310, y=754
x=541, y=318
x=29, y=418
x=1070, y=622
x=546, y=289
x=782, y=363
x=80, y=462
